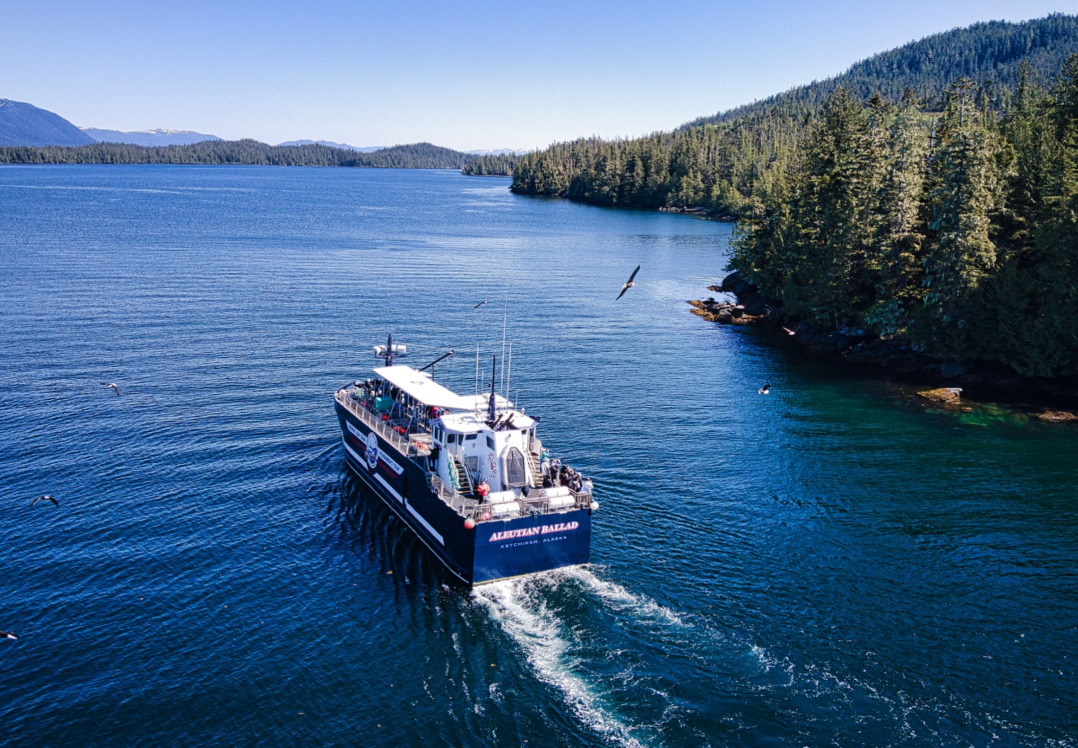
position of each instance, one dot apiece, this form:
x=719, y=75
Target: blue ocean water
x=832, y=564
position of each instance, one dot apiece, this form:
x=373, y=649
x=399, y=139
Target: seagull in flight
x=481, y=303
x=629, y=283
x=113, y=387
x=789, y=331
x=8, y=635
x=45, y=497
x=765, y=390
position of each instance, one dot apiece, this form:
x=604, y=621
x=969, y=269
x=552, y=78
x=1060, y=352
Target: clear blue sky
x=465, y=75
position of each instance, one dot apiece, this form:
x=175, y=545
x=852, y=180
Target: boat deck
x=412, y=439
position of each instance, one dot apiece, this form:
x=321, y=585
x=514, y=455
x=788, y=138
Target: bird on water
x=113, y=387
x=765, y=390
x=8, y=635
x=481, y=303
x=45, y=497
x=629, y=283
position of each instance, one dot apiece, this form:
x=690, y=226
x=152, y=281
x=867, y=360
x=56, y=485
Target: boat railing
x=382, y=428
x=458, y=502
x=465, y=506
x=481, y=512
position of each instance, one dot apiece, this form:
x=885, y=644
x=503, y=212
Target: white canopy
x=421, y=387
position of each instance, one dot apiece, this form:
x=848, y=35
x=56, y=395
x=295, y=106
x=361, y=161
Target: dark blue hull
x=489, y=551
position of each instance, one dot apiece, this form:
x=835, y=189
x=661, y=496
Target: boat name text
x=526, y=532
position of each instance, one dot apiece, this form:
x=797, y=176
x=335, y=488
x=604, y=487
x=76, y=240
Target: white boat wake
x=542, y=638
x=520, y=608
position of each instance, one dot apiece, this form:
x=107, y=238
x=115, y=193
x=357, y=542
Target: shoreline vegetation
x=729, y=164
x=934, y=234
x=923, y=243
x=241, y=153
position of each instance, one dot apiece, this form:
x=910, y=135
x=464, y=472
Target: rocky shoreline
x=1048, y=399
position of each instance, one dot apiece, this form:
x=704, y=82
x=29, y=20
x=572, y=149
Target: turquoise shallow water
x=833, y=564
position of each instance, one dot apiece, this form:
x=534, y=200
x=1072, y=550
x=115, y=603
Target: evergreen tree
x=897, y=245
x=964, y=192
x=832, y=215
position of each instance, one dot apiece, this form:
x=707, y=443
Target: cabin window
x=490, y=443
x=451, y=439
x=470, y=437
x=514, y=468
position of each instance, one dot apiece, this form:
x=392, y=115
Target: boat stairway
x=533, y=465
x=464, y=482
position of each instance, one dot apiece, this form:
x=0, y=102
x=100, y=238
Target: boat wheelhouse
x=464, y=473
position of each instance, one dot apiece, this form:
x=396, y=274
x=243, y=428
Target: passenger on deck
x=547, y=482
x=586, y=489
x=575, y=483
x=544, y=466
x=483, y=489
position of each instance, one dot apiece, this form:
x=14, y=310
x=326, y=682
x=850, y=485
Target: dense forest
x=958, y=231
x=991, y=53
x=492, y=165
x=240, y=152
x=728, y=163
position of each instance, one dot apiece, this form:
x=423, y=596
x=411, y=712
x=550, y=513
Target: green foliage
x=241, y=152
x=992, y=54
x=728, y=163
x=964, y=192
x=491, y=165
x=722, y=168
x=966, y=241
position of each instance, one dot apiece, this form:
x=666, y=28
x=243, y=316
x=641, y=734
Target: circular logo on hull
x=372, y=450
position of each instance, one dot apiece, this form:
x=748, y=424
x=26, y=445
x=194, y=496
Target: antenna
x=509, y=370
x=505, y=319
x=492, y=410
x=433, y=364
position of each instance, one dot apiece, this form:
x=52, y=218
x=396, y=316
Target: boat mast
x=492, y=410
x=505, y=319
x=509, y=370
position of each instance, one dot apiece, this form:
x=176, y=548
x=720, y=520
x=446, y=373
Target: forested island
x=491, y=165
x=932, y=231
x=727, y=163
x=240, y=152
x=892, y=234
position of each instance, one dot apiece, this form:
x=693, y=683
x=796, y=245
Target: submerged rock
x=1057, y=416
x=943, y=395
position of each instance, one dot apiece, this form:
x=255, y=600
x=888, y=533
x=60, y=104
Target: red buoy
x=469, y=523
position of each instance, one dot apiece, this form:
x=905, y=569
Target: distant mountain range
x=25, y=124
x=342, y=146
x=147, y=137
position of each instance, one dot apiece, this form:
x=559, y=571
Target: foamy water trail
x=622, y=599
x=540, y=635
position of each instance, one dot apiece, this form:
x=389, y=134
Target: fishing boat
x=465, y=473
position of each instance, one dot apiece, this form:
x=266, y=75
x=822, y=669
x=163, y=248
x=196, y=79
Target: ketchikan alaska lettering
x=525, y=532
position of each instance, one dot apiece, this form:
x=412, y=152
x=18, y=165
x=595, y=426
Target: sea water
x=831, y=564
